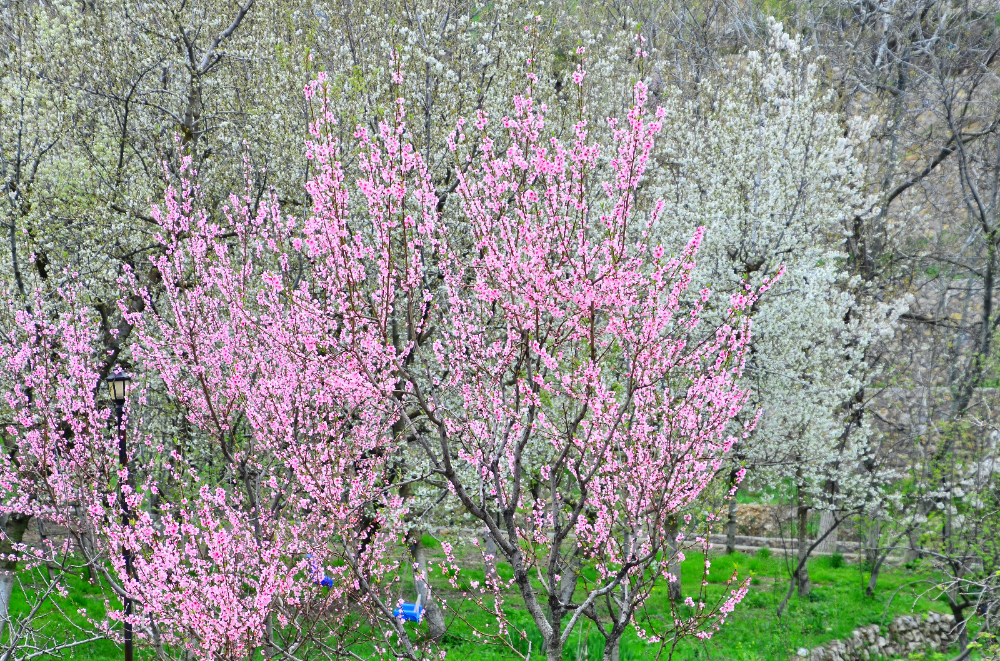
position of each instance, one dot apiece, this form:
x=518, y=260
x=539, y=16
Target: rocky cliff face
x=906, y=634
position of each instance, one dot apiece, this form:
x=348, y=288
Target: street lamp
x=118, y=386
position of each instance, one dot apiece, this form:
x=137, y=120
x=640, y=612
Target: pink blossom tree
x=272, y=334
x=47, y=431
x=539, y=368
x=549, y=376
x=226, y=558
x=289, y=525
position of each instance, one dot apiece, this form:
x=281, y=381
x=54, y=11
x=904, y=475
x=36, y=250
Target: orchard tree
x=762, y=158
x=551, y=378
x=229, y=557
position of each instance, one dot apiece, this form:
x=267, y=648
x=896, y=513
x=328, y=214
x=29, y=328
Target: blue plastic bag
x=410, y=612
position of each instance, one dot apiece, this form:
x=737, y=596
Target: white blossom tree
x=763, y=160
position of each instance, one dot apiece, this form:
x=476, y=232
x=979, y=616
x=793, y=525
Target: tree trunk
x=6, y=589
x=490, y=560
x=958, y=612
x=619, y=620
x=569, y=577
x=674, y=592
x=803, y=584
x=84, y=549
x=873, y=578
x=432, y=612
x=829, y=545
x=913, y=549
x=45, y=538
x=553, y=650
x=13, y=532
x=800, y=576
x=731, y=523
x=612, y=650
x=872, y=541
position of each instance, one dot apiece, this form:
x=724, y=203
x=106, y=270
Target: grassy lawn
x=753, y=633
x=52, y=624
x=836, y=606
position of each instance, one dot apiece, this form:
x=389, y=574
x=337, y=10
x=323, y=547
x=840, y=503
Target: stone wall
x=906, y=634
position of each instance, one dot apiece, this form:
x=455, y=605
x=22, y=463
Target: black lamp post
x=118, y=385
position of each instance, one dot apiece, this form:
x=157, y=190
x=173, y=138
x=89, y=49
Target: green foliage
x=987, y=644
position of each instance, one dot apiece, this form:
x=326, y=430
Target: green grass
x=836, y=606
x=51, y=624
x=754, y=633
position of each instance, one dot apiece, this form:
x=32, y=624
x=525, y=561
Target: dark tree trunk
x=873, y=578
x=958, y=610
x=802, y=579
x=612, y=652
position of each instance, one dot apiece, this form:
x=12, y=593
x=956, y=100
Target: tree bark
x=613, y=635
x=958, y=611
x=570, y=576
x=913, y=549
x=872, y=539
x=613, y=651
x=6, y=589
x=84, y=550
x=432, y=612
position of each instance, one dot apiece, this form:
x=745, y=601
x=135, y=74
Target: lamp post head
x=118, y=386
